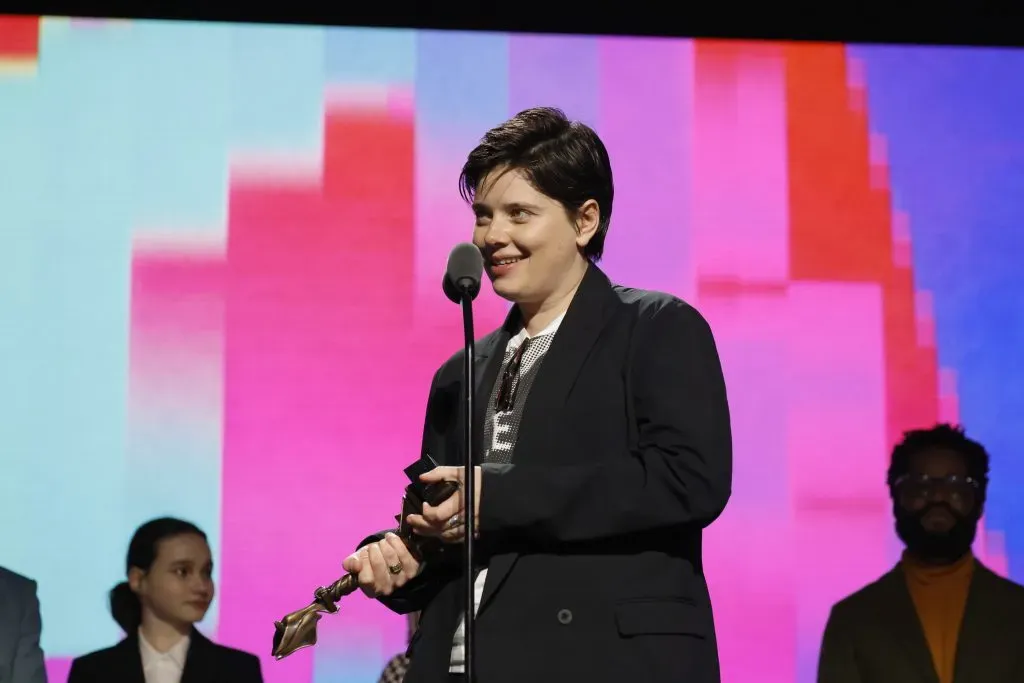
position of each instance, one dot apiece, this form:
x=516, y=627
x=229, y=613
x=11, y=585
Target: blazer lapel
x=904, y=627
x=587, y=315
x=200, y=664
x=976, y=637
x=129, y=661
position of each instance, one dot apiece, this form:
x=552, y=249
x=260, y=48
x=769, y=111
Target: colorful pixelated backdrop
x=210, y=235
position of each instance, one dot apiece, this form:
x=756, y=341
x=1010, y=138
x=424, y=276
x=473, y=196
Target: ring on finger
x=395, y=569
x=453, y=521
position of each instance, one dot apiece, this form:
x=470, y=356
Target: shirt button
x=564, y=616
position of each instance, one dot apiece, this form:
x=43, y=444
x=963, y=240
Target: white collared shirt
x=163, y=667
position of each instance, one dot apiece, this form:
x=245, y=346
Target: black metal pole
x=470, y=490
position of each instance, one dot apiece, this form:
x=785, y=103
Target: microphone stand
x=461, y=284
x=469, y=480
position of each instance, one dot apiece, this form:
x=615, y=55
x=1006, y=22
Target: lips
x=500, y=267
x=939, y=520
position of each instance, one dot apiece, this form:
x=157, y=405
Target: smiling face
x=178, y=587
x=532, y=247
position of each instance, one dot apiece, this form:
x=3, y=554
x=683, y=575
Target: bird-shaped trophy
x=298, y=629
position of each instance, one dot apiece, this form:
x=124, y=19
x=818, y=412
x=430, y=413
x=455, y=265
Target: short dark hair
x=563, y=159
x=142, y=551
x=940, y=436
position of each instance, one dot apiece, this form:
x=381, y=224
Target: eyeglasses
x=924, y=486
x=506, y=396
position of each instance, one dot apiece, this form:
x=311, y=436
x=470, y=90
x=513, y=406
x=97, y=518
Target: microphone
x=462, y=276
x=461, y=284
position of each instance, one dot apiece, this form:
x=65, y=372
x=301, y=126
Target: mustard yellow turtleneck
x=940, y=595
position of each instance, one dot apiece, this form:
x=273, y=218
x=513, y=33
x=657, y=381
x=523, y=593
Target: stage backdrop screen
x=220, y=256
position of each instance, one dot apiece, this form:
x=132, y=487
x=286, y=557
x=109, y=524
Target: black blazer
x=21, y=658
x=592, y=536
x=875, y=636
x=206, y=662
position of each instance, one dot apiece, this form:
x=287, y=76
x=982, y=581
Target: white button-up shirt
x=163, y=667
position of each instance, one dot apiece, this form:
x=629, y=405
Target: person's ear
x=588, y=218
x=136, y=578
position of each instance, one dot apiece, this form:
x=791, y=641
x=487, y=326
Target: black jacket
x=206, y=662
x=592, y=536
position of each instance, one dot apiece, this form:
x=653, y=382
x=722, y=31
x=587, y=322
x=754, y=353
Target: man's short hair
x=951, y=437
x=563, y=159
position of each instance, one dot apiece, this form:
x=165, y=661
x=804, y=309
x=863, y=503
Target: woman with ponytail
x=168, y=589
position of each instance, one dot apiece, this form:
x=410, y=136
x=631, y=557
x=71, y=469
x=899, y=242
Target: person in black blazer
x=605, y=444
x=21, y=657
x=169, y=589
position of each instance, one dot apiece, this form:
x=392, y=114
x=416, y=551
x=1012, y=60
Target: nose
x=203, y=587
x=938, y=494
x=496, y=235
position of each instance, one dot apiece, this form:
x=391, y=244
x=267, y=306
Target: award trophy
x=298, y=629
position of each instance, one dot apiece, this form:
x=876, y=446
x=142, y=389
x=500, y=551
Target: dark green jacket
x=875, y=636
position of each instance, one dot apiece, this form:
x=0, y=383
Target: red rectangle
x=19, y=38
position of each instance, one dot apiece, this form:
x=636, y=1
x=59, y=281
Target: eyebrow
x=479, y=208
x=189, y=563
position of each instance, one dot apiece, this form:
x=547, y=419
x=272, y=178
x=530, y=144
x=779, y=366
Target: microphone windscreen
x=465, y=268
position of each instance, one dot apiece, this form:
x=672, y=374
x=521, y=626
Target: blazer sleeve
x=28, y=659
x=417, y=593
x=836, y=661
x=679, y=473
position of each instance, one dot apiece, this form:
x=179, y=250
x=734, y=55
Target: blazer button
x=564, y=616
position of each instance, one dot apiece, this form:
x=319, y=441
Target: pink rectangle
x=320, y=406
x=751, y=333
x=748, y=595
x=177, y=329
x=836, y=552
x=57, y=670
x=554, y=71
x=323, y=387
x=740, y=205
x=837, y=390
x=645, y=121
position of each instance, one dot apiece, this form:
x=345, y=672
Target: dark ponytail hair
x=125, y=605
